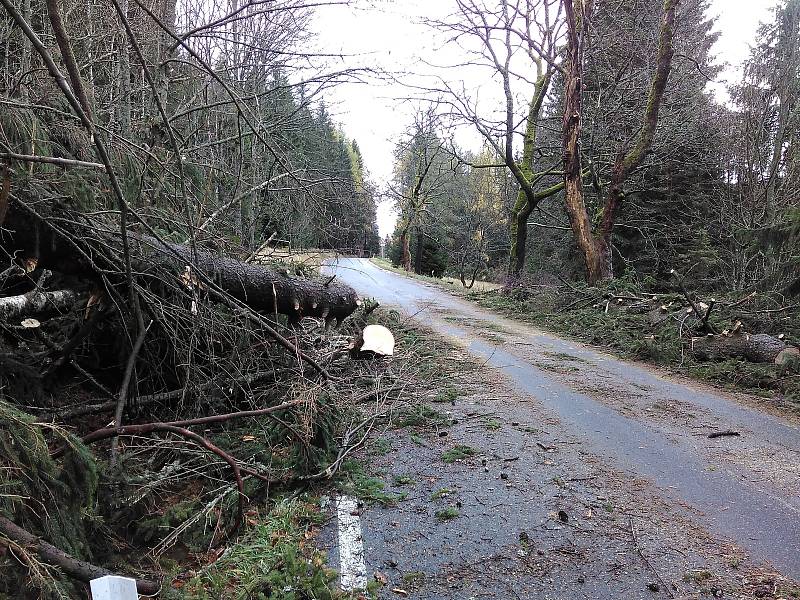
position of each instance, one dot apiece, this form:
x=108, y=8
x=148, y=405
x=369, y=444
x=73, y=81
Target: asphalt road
x=745, y=489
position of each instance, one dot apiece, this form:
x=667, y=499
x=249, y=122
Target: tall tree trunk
x=596, y=250
x=165, y=49
x=527, y=199
x=519, y=233
x=418, y=255
x=626, y=163
x=577, y=14
x=405, y=251
x=124, y=65
x=788, y=56
x=25, y=59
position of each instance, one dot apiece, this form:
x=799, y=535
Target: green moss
x=458, y=452
x=380, y=447
x=447, y=394
x=420, y=416
x=492, y=424
x=441, y=493
x=632, y=335
x=447, y=514
x=404, y=480
x=355, y=482
x=413, y=579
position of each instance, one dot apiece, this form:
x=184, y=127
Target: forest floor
x=555, y=471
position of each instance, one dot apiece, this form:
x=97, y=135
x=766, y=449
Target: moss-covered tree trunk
x=405, y=250
x=518, y=224
x=419, y=252
x=527, y=197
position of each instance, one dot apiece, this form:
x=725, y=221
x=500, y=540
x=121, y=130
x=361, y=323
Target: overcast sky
x=391, y=35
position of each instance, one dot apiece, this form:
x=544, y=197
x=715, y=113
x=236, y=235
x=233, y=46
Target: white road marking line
x=352, y=570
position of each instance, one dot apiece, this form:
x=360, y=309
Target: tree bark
x=519, y=233
x=418, y=256
x=264, y=289
x=756, y=348
x=36, y=302
x=626, y=163
x=577, y=14
x=527, y=198
x=405, y=251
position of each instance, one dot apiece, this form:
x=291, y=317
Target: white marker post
x=352, y=570
x=113, y=587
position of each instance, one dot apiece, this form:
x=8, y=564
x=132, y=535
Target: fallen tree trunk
x=77, y=569
x=64, y=241
x=36, y=302
x=756, y=348
x=259, y=287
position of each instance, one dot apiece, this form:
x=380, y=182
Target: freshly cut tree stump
x=756, y=348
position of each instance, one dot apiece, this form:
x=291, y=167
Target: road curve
x=744, y=489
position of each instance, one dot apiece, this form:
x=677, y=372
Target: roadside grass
x=447, y=394
x=421, y=415
x=379, y=447
x=354, y=481
x=274, y=556
x=275, y=559
x=633, y=336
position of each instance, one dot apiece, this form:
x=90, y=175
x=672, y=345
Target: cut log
x=88, y=251
x=756, y=348
x=36, y=302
